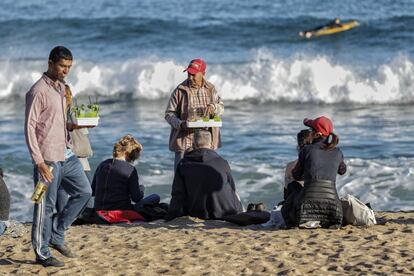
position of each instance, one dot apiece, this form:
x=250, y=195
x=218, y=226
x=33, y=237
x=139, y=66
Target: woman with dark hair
x=318, y=164
x=303, y=138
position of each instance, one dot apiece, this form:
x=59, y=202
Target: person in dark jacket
x=115, y=184
x=4, y=204
x=318, y=164
x=203, y=186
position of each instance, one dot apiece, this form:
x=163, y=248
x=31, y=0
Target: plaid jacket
x=178, y=110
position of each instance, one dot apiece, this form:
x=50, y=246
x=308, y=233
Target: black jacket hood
x=201, y=155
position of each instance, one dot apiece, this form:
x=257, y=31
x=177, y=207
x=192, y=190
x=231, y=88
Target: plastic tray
x=210, y=123
x=86, y=121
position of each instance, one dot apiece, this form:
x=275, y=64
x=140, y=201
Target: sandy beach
x=189, y=246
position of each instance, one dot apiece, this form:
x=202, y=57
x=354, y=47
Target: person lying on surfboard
x=332, y=27
x=334, y=23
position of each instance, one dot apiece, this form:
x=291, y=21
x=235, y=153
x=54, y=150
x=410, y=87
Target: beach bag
x=356, y=213
x=276, y=219
x=81, y=144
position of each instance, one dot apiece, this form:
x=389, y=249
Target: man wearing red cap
x=195, y=93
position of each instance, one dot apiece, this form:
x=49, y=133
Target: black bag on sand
x=89, y=216
x=154, y=211
x=248, y=218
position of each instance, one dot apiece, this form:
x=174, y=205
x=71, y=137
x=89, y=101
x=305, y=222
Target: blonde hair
x=129, y=147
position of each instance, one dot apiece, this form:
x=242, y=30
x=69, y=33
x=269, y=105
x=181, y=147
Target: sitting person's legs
x=151, y=199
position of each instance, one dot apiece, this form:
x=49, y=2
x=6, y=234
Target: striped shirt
x=45, y=121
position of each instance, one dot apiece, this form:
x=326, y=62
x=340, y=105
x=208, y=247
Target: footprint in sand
x=333, y=268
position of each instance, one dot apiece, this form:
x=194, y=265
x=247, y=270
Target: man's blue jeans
x=71, y=176
x=63, y=197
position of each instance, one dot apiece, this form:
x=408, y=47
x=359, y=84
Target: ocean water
x=131, y=55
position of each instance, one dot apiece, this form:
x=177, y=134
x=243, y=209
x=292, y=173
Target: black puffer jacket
x=318, y=200
x=203, y=187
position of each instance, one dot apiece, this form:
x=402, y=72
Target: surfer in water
x=332, y=24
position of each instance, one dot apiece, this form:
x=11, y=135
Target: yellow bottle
x=40, y=190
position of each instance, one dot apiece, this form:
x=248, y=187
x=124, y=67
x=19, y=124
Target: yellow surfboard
x=330, y=30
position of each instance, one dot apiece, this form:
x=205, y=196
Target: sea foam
x=265, y=78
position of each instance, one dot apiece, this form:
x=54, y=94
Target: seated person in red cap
x=318, y=164
x=193, y=94
x=203, y=186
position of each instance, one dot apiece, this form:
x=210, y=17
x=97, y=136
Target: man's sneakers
x=63, y=249
x=51, y=261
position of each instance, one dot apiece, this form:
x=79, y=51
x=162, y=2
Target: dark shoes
x=251, y=207
x=63, y=249
x=51, y=261
x=256, y=207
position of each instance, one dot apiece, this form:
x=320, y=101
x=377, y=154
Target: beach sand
x=189, y=246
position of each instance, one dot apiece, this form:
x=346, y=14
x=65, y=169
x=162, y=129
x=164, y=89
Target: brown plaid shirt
x=198, y=98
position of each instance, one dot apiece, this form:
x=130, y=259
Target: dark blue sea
x=131, y=55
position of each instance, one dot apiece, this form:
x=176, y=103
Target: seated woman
x=317, y=165
x=115, y=184
x=304, y=137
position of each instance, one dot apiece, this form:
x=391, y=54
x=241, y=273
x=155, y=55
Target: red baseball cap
x=196, y=66
x=321, y=124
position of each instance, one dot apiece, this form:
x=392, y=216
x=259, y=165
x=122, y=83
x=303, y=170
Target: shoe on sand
x=260, y=207
x=251, y=207
x=63, y=249
x=51, y=261
x=311, y=224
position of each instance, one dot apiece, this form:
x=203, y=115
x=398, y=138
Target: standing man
x=195, y=93
x=48, y=142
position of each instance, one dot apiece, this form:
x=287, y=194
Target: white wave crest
x=386, y=184
x=266, y=78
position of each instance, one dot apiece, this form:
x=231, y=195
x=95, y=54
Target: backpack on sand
x=356, y=213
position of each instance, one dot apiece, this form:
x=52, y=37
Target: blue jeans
x=71, y=176
x=151, y=199
x=63, y=197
